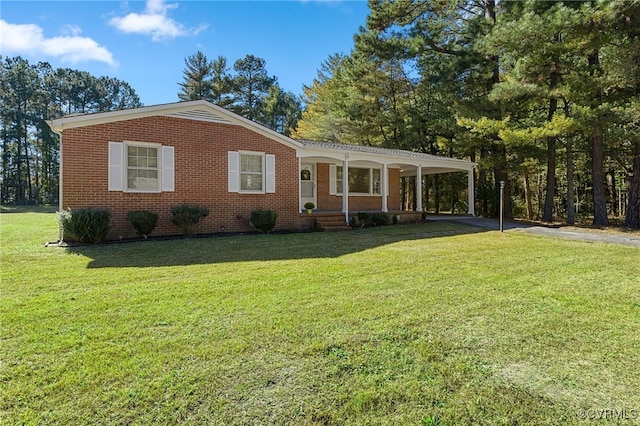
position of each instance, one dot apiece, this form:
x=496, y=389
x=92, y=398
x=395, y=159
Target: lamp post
x=501, y=206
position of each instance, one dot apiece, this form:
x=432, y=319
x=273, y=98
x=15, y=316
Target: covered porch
x=370, y=177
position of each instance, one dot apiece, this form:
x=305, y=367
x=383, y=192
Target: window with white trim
x=361, y=180
x=251, y=172
x=142, y=168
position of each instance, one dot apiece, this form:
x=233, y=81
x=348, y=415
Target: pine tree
x=251, y=85
x=221, y=83
x=197, y=79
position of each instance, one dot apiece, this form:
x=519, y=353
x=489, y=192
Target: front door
x=308, y=184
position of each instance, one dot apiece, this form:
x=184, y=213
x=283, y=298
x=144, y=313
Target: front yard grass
x=413, y=324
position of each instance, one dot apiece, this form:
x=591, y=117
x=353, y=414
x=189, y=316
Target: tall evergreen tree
x=197, y=78
x=221, y=83
x=251, y=85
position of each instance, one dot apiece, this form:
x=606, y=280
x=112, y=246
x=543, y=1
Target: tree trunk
x=597, y=154
x=571, y=215
x=632, y=218
x=633, y=207
x=538, y=193
x=527, y=195
x=547, y=216
x=612, y=190
x=27, y=160
x=599, y=195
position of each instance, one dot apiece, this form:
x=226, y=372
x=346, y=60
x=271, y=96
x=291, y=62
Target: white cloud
x=71, y=30
x=154, y=21
x=29, y=39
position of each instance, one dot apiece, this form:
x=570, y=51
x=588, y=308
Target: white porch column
x=419, y=189
x=471, y=194
x=384, y=184
x=345, y=187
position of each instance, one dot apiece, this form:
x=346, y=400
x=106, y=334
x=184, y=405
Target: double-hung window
x=142, y=168
x=251, y=172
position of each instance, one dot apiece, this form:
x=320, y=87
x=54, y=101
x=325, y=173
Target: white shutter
x=168, y=169
x=116, y=166
x=234, y=171
x=271, y=172
x=332, y=179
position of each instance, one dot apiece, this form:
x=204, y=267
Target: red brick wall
x=329, y=202
x=200, y=174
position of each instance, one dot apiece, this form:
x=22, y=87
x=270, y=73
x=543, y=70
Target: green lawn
x=413, y=324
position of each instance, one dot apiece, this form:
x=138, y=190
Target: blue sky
x=145, y=42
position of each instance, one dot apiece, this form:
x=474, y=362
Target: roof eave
x=74, y=121
x=339, y=153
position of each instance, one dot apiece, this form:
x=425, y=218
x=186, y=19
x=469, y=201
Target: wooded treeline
x=246, y=89
x=31, y=94
x=545, y=96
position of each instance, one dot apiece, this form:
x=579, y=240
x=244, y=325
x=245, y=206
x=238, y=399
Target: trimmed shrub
x=364, y=218
x=354, y=222
x=424, y=215
x=264, y=220
x=316, y=226
x=379, y=219
x=143, y=221
x=396, y=219
x=187, y=217
x=85, y=225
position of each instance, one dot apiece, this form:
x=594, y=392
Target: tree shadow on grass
x=258, y=248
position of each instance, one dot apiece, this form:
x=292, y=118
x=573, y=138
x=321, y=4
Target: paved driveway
x=494, y=224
